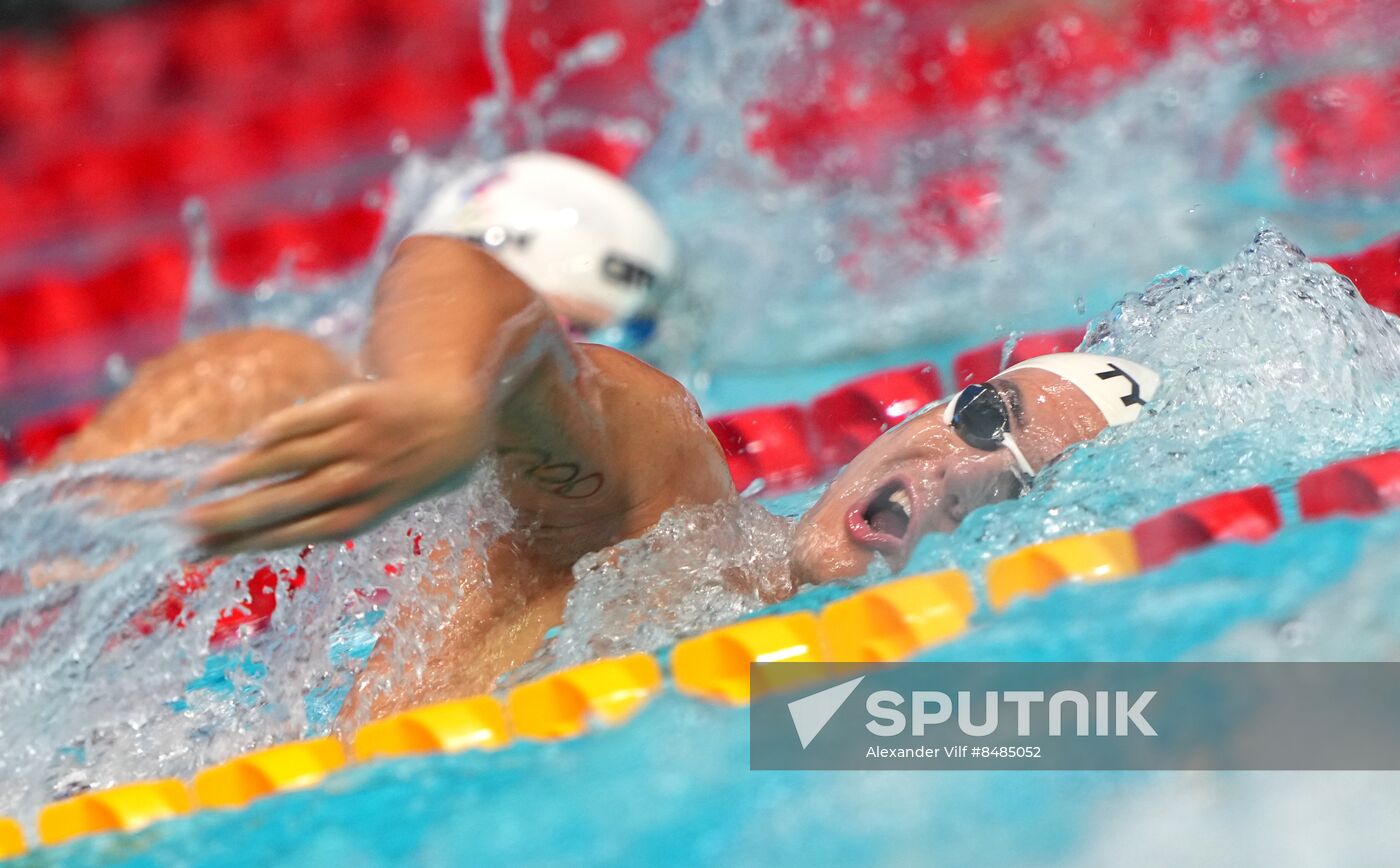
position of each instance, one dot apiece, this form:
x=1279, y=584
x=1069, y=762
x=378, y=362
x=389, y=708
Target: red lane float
x=768, y=443
x=1249, y=515
x=1360, y=486
x=849, y=418
x=980, y=364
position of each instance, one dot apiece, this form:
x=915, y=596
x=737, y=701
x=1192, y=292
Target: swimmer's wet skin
x=464, y=360
x=984, y=444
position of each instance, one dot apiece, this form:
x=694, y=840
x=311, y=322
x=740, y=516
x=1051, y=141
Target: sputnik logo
x=811, y=714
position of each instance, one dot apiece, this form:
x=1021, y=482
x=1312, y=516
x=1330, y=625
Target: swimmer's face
x=921, y=478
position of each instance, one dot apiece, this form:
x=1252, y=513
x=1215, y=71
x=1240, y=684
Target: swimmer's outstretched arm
x=455, y=338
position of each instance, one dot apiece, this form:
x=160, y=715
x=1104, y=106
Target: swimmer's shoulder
x=633, y=379
x=654, y=415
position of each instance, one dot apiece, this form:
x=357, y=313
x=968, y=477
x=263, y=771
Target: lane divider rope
x=890, y=621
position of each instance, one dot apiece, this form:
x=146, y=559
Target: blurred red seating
x=850, y=417
x=1375, y=271
x=612, y=153
x=1360, y=486
x=50, y=307
x=121, y=61
x=959, y=69
x=407, y=99
x=771, y=444
x=980, y=364
x=223, y=47
x=1158, y=24
x=148, y=287
x=1339, y=133
x=312, y=244
x=1068, y=53
x=38, y=89
x=36, y=439
x=959, y=208
x=1250, y=515
x=308, y=26
x=204, y=153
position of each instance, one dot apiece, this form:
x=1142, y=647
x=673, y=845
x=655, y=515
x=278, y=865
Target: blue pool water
x=1273, y=368
x=673, y=784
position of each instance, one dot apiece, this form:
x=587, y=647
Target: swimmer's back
x=208, y=390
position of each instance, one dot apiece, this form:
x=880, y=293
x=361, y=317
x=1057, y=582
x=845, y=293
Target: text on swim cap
x=1135, y=395
x=499, y=237
x=619, y=269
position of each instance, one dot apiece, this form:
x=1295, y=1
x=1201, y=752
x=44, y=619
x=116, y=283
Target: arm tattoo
x=562, y=478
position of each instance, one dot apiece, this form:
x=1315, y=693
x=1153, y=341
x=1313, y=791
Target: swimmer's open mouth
x=883, y=522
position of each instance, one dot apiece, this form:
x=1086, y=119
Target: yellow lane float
x=444, y=727
x=563, y=704
x=894, y=620
x=293, y=766
x=715, y=665
x=1032, y=571
x=120, y=809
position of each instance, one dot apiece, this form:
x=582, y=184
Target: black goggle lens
x=980, y=417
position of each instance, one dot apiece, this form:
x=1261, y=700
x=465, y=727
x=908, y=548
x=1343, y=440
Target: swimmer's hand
x=348, y=459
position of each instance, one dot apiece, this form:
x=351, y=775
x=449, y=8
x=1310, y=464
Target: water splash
x=106, y=656
x=1272, y=365
x=698, y=568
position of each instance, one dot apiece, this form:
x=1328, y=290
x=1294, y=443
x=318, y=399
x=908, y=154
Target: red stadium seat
x=1074, y=54
x=36, y=440
x=1250, y=515
x=347, y=235
x=148, y=288
x=613, y=153
x=959, y=209
x=50, y=307
x=224, y=48
x=39, y=92
x=958, y=70
x=1159, y=23
x=308, y=26
x=1338, y=133
x=121, y=62
x=203, y=153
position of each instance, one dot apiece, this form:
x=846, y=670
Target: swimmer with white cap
x=983, y=445
x=584, y=240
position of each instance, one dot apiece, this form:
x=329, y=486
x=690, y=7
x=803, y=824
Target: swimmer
x=468, y=354
x=466, y=358
x=983, y=445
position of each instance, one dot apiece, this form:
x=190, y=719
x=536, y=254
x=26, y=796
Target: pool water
x=798, y=277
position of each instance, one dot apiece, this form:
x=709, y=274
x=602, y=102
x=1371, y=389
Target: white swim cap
x=1118, y=387
x=563, y=226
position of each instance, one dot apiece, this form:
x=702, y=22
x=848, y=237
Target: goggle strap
x=1010, y=443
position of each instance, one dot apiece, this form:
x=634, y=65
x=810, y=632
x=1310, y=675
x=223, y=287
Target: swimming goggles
x=979, y=415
